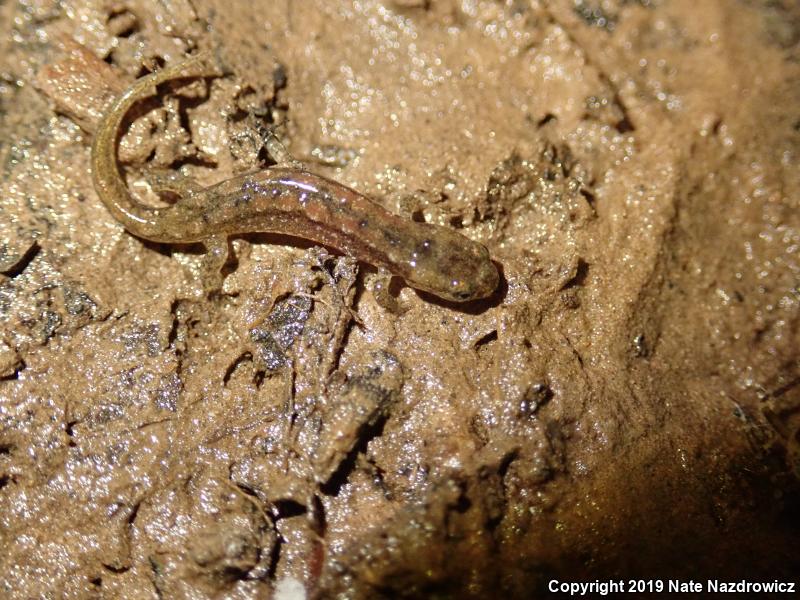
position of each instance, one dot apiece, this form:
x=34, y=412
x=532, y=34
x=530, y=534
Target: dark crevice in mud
x=366, y=433
x=378, y=478
x=151, y=156
x=195, y=161
x=462, y=504
x=123, y=23
x=318, y=520
x=536, y=396
x=280, y=77
x=487, y=339
x=338, y=349
x=260, y=571
x=128, y=31
x=246, y=489
x=154, y=64
x=233, y=573
x=241, y=359
x=785, y=388
x=576, y=355
x=288, y=508
x=172, y=336
x=545, y=120
x=239, y=115
x=69, y=429
x=493, y=521
x=4, y=479
x=117, y=570
x=581, y=271
x=624, y=125
x=22, y=262
x=15, y=375
x=275, y=557
x=134, y=513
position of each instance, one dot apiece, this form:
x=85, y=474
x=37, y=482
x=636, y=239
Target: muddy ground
x=627, y=404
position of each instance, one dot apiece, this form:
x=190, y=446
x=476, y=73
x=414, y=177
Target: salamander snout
x=445, y=263
x=474, y=276
x=457, y=269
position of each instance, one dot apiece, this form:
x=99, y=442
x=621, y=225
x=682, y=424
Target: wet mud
x=627, y=404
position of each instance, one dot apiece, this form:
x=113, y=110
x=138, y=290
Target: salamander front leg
x=381, y=292
x=214, y=259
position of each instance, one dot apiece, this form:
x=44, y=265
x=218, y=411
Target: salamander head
x=452, y=267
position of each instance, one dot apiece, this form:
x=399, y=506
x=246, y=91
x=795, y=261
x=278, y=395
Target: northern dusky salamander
x=286, y=200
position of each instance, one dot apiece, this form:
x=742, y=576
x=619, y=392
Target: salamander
x=286, y=199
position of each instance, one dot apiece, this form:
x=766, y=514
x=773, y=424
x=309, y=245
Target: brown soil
x=627, y=405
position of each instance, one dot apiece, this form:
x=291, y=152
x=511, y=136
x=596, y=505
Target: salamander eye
x=462, y=295
x=425, y=247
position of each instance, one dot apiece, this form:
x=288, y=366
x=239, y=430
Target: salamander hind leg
x=214, y=259
x=278, y=152
x=168, y=181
